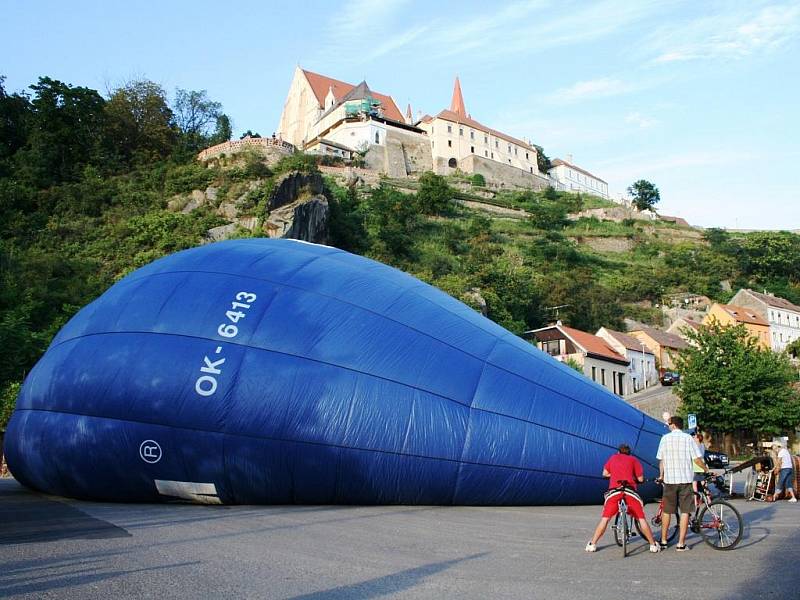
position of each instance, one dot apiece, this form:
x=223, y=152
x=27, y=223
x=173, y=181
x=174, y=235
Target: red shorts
x=632, y=499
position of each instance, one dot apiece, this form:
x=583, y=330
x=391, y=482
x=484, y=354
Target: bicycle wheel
x=625, y=536
x=721, y=525
x=674, y=524
x=617, y=527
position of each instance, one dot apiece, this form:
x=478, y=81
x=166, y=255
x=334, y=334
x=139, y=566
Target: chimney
x=569, y=158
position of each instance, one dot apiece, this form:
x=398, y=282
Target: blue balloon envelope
x=276, y=371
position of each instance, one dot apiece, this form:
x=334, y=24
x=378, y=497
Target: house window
x=526, y=156
x=472, y=149
x=496, y=144
x=492, y=155
x=509, y=148
x=621, y=385
x=531, y=169
x=377, y=138
x=486, y=139
x=449, y=129
x=486, y=153
x=603, y=376
x=449, y=143
x=460, y=131
x=614, y=380
x=433, y=144
x=594, y=373
x=509, y=161
x=431, y=129
x=472, y=135
x=515, y=150
x=452, y=163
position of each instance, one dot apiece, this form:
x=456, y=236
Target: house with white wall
x=573, y=178
x=642, y=371
x=597, y=359
x=783, y=316
x=459, y=142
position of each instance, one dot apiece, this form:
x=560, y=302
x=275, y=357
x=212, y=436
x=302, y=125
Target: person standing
x=677, y=452
x=619, y=468
x=785, y=475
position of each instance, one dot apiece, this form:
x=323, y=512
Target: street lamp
x=644, y=373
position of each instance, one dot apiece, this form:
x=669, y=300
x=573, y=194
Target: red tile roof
x=744, y=315
x=630, y=342
x=593, y=344
x=774, y=301
x=668, y=340
x=320, y=84
x=693, y=324
x=449, y=115
x=557, y=162
x=457, y=103
x=676, y=220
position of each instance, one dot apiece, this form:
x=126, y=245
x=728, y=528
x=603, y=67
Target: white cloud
x=594, y=88
x=728, y=35
x=641, y=121
x=520, y=29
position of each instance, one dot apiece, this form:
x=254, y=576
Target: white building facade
x=455, y=136
x=783, y=316
x=642, y=370
x=575, y=179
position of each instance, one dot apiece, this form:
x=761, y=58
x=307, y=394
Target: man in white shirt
x=786, y=474
x=676, y=454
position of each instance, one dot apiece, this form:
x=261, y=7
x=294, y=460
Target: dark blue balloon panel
x=275, y=371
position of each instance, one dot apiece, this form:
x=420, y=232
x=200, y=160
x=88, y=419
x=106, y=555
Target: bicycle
x=717, y=521
x=623, y=522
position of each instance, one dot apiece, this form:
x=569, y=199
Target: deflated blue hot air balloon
x=275, y=371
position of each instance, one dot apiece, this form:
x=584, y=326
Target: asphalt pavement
x=57, y=548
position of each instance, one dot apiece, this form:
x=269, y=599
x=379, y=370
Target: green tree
x=770, y=254
x=434, y=196
x=736, y=386
x=542, y=161
x=141, y=122
x=549, y=215
x=223, y=130
x=14, y=112
x=199, y=118
x=66, y=128
x=645, y=194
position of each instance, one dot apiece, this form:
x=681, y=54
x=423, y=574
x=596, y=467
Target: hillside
x=78, y=222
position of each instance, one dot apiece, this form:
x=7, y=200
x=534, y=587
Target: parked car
x=670, y=378
x=716, y=460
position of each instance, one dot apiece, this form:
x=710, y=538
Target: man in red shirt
x=618, y=468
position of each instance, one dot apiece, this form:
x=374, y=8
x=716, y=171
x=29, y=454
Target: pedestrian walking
x=785, y=474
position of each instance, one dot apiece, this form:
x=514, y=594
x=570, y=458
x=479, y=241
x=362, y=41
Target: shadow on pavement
x=80, y=573
x=29, y=517
x=388, y=584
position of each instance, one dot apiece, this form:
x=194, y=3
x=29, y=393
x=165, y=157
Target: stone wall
x=402, y=154
x=495, y=173
x=264, y=145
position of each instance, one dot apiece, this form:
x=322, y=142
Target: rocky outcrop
x=305, y=219
x=292, y=185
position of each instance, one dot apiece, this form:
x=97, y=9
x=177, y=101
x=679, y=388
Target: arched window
x=452, y=163
x=377, y=137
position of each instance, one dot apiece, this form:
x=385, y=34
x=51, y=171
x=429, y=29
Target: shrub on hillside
x=434, y=196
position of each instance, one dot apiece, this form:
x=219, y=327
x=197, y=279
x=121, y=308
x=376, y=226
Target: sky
x=700, y=98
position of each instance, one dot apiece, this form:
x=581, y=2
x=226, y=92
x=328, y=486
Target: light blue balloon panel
x=276, y=371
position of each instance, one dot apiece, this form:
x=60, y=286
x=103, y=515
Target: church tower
x=457, y=103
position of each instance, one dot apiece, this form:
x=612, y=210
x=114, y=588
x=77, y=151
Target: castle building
x=572, y=178
x=460, y=142
x=328, y=116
